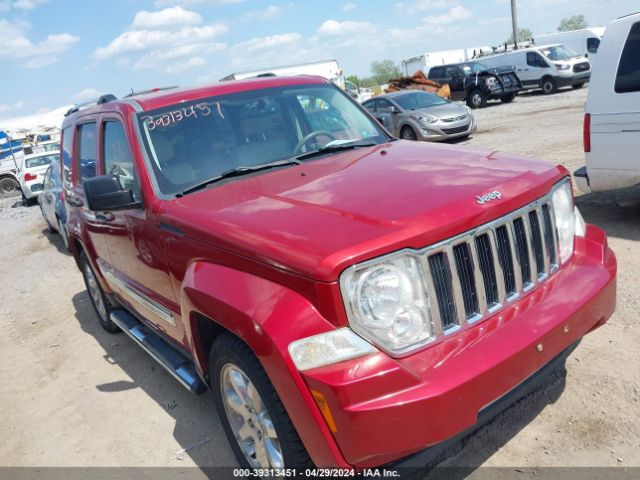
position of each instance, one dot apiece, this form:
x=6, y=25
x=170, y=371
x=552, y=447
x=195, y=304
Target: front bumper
x=386, y=409
x=31, y=189
x=574, y=79
x=439, y=132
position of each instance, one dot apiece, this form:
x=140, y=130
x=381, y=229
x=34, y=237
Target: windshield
x=191, y=142
x=559, y=52
x=474, y=67
x=40, y=161
x=416, y=100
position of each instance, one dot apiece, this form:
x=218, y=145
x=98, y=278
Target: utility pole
x=514, y=23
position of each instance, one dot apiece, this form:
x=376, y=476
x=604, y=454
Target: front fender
x=267, y=317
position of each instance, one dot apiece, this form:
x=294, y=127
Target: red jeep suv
x=350, y=299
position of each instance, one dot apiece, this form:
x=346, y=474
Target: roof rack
x=151, y=90
x=101, y=100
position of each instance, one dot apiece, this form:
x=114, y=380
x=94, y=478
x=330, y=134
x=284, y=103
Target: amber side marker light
x=325, y=410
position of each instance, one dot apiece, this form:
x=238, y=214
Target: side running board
x=176, y=364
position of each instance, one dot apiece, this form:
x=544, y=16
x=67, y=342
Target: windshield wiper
x=332, y=147
x=238, y=172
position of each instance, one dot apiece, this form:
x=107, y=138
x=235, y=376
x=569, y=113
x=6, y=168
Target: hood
x=318, y=218
x=446, y=110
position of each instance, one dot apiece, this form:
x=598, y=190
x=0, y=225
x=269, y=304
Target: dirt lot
x=73, y=395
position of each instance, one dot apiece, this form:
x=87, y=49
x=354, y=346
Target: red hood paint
x=319, y=218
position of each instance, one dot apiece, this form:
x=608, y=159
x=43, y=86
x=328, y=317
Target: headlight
x=562, y=200
x=561, y=66
x=427, y=119
x=387, y=302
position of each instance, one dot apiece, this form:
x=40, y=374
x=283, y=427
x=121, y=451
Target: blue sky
x=57, y=52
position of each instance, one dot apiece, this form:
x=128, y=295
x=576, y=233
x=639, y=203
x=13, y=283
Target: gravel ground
x=73, y=395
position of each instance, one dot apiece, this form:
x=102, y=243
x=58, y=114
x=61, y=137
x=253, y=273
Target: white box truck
x=427, y=60
x=584, y=42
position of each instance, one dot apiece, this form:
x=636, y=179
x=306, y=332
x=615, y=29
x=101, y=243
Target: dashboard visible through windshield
x=191, y=142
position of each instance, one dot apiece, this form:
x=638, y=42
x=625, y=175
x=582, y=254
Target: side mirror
x=395, y=110
x=105, y=193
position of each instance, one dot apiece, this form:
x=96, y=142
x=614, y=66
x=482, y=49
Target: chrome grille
x=478, y=273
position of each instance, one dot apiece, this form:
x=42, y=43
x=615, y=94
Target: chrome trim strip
x=502, y=294
x=434, y=303
x=140, y=298
x=456, y=286
x=546, y=257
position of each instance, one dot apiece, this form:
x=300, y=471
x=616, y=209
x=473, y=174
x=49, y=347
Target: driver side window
x=535, y=60
x=117, y=157
x=384, y=106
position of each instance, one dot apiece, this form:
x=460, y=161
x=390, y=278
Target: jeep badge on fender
x=488, y=197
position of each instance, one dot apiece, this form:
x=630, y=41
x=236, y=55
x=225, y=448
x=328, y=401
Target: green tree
x=524, y=34
x=384, y=70
x=354, y=79
x=575, y=22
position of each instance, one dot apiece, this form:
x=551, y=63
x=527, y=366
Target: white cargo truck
x=427, y=60
x=584, y=42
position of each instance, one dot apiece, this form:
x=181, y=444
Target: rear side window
x=117, y=155
x=436, y=73
x=628, y=77
x=67, y=154
x=40, y=161
x=87, y=151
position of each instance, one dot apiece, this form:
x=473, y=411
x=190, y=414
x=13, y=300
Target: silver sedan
x=418, y=115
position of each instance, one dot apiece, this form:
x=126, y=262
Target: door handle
x=105, y=217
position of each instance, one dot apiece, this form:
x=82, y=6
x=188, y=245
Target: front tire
x=549, y=86
x=477, y=99
x=99, y=300
x=256, y=423
x=408, y=133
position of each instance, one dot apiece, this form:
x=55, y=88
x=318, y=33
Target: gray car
x=419, y=115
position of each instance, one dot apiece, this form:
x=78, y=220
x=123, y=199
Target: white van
x=548, y=67
x=584, y=42
x=612, y=118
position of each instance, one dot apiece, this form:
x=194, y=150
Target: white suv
x=612, y=118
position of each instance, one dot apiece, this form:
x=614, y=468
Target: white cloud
x=269, y=13
x=164, y=3
x=85, y=94
x=334, y=28
x=15, y=45
x=144, y=20
x=453, y=15
x=138, y=40
x=5, y=6
x=4, y=107
x=28, y=4
x=347, y=7
x=156, y=58
x=190, y=63
x=417, y=6
x=274, y=50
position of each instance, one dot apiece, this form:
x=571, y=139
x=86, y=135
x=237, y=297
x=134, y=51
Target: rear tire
x=256, y=423
x=99, y=300
x=508, y=98
x=548, y=86
x=50, y=228
x=477, y=99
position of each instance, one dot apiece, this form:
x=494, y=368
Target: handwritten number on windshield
x=175, y=116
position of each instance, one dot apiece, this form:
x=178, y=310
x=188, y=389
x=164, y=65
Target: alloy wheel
x=249, y=419
x=95, y=293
